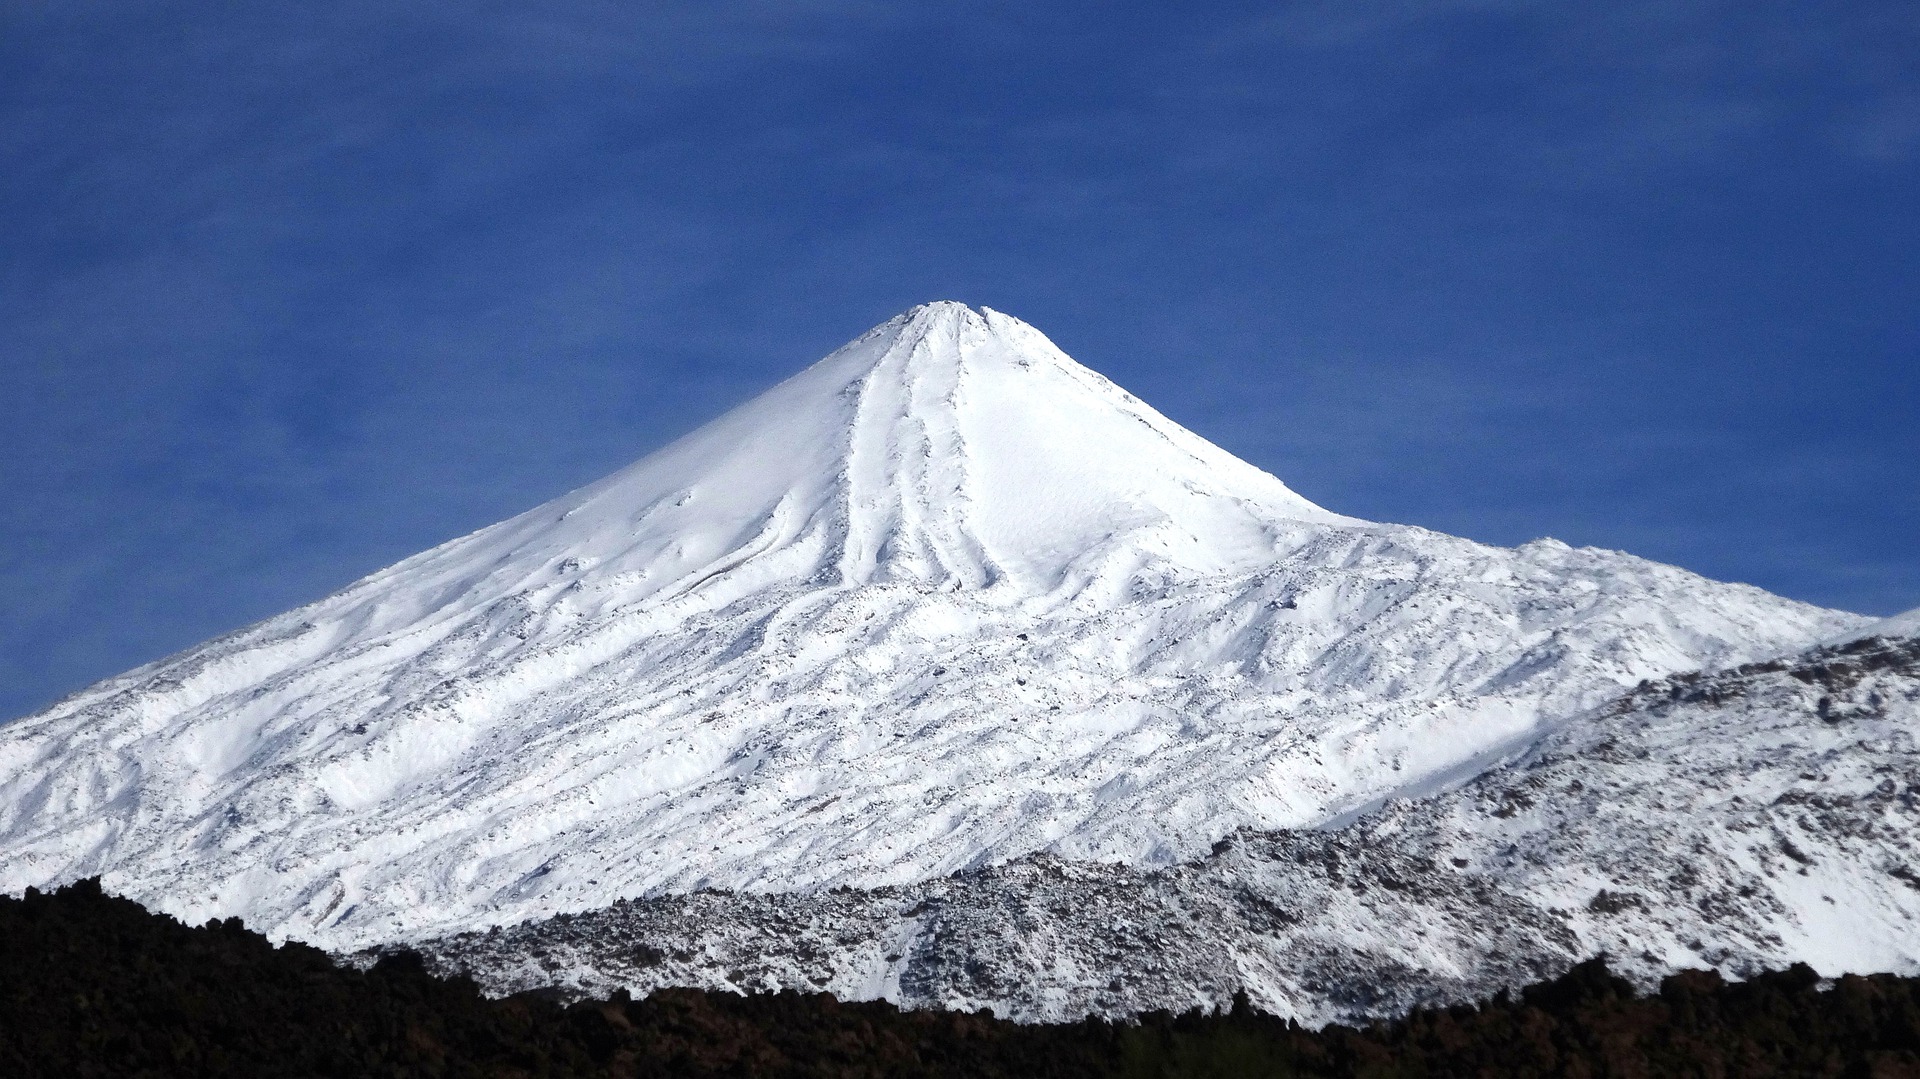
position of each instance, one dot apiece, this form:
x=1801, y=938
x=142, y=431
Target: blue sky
x=288, y=294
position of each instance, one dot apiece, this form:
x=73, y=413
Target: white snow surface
x=941, y=600
x=1905, y=624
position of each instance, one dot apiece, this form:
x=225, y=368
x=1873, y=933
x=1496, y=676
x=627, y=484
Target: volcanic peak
x=948, y=446
x=943, y=599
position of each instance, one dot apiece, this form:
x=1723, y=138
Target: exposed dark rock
x=96, y=986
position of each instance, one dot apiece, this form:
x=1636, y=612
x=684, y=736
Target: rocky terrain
x=97, y=986
x=1742, y=820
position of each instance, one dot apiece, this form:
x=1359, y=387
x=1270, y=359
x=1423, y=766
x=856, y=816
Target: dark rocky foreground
x=98, y=986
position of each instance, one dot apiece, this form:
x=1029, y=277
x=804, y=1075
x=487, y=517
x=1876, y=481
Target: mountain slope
x=944, y=599
x=1743, y=821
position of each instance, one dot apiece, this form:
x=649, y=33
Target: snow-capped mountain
x=942, y=600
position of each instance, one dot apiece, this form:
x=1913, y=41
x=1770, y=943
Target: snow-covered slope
x=1905, y=624
x=943, y=599
x=1744, y=820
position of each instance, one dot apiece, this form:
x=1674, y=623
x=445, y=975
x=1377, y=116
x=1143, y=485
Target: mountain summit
x=943, y=599
x=951, y=447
